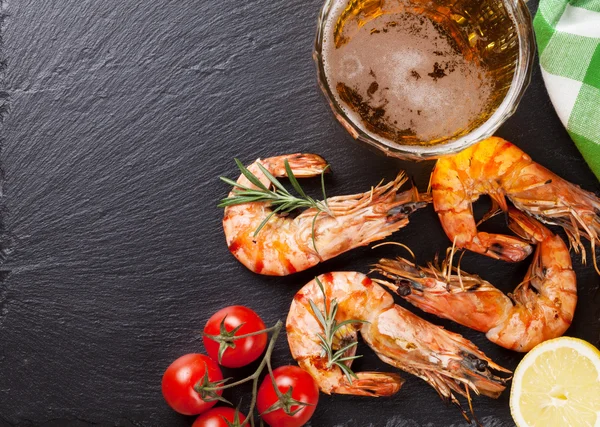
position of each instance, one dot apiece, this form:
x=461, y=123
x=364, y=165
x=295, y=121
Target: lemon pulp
x=558, y=384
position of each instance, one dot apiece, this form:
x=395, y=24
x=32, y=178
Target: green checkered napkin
x=568, y=38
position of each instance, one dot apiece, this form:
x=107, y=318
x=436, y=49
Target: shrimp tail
x=302, y=165
x=526, y=227
x=373, y=384
x=498, y=246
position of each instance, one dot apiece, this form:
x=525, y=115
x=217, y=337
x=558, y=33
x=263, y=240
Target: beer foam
x=399, y=75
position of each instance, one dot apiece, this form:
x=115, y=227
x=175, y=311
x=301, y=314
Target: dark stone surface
x=122, y=116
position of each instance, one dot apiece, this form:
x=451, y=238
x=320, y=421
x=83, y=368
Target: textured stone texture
x=122, y=116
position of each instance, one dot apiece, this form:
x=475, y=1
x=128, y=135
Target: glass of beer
x=419, y=79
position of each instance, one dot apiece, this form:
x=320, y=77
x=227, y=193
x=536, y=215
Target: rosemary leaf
x=250, y=176
x=327, y=320
x=339, y=353
x=317, y=312
x=323, y=186
x=294, y=181
x=264, y=222
x=350, y=375
x=323, y=340
x=320, y=284
x=234, y=184
x=273, y=180
x=333, y=309
x=279, y=198
x=343, y=359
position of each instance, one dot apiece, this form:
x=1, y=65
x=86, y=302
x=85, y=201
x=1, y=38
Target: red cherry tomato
x=304, y=389
x=218, y=417
x=180, y=378
x=245, y=350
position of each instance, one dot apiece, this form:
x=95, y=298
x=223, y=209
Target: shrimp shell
x=285, y=244
x=500, y=169
x=542, y=307
x=448, y=362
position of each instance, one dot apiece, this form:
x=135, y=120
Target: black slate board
x=122, y=114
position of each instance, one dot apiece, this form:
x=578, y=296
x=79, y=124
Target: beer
x=408, y=74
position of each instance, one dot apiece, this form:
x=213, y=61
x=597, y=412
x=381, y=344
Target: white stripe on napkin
x=563, y=94
x=578, y=21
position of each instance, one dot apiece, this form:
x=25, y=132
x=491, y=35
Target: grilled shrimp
x=285, y=244
x=500, y=169
x=447, y=361
x=541, y=307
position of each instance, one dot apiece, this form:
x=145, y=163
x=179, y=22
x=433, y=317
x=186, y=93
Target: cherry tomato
x=304, y=389
x=180, y=378
x=245, y=350
x=218, y=417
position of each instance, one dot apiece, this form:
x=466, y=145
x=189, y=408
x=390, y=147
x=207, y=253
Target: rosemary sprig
x=330, y=327
x=279, y=198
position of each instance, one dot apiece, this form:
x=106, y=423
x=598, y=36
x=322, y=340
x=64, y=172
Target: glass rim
x=519, y=13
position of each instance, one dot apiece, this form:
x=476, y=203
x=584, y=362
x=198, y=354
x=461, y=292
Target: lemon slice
x=557, y=384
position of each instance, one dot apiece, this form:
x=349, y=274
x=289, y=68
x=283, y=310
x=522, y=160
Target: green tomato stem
x=221, y=338
x=266, y=361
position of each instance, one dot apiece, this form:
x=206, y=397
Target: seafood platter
x=326, y=213
x=390, y=70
